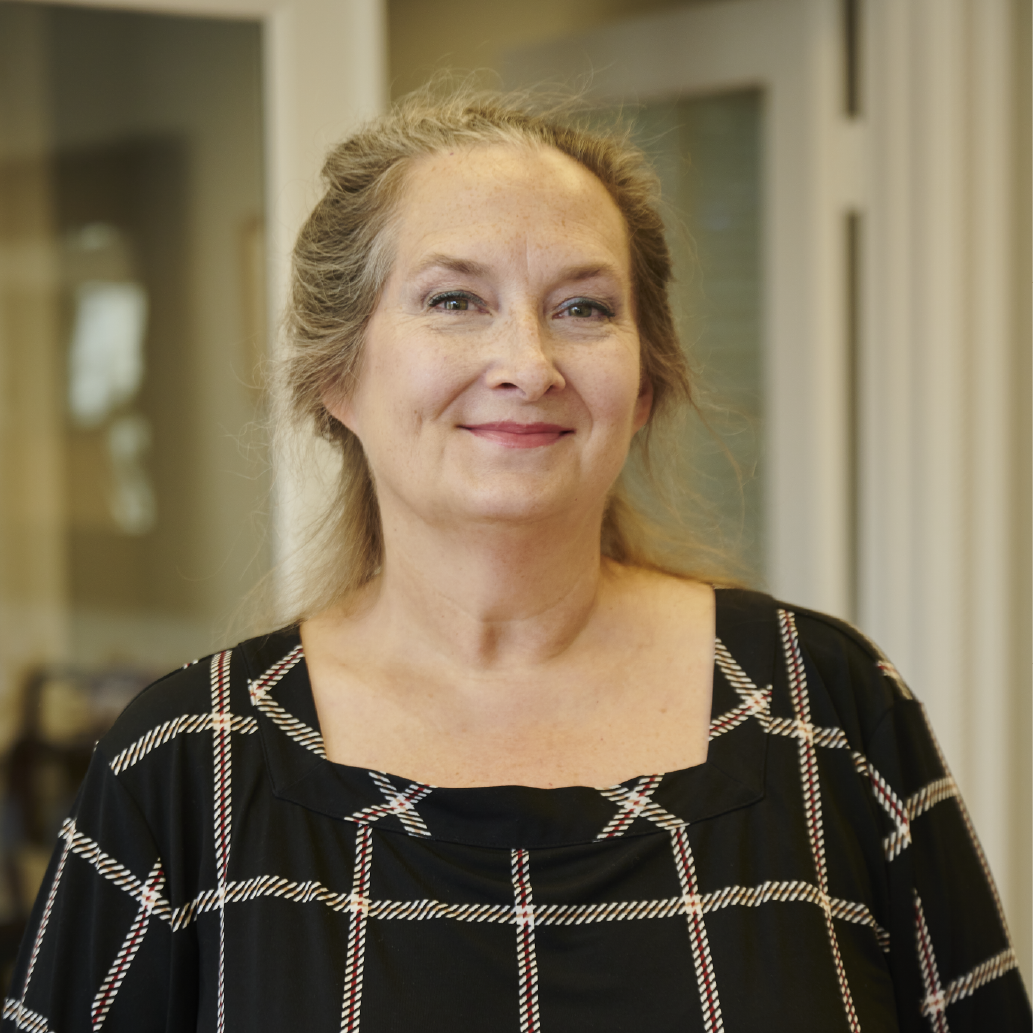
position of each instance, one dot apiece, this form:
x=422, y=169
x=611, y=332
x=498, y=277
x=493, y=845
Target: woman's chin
x=483, y=498
x=514, y=508
x=513, y=513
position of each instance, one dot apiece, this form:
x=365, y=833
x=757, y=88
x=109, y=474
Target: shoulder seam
x=840, y=625
x=859, y=638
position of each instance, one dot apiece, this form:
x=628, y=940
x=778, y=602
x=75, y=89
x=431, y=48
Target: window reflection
x=132, y=476
x=707, y=151
x=105, y=362
x=106, y=366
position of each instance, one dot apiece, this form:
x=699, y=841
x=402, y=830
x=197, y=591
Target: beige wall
x=1021, y=602
x=33, y=575
x=425, y=35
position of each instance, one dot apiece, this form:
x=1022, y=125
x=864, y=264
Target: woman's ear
x=644, y=403
x=338, y=404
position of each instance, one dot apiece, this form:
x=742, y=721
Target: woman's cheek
x=433, y=377
x=612, y=391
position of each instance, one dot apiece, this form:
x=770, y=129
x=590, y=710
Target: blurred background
x=847, y=184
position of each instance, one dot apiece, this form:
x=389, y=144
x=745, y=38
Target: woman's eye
x=582, y=308
x=452, y=302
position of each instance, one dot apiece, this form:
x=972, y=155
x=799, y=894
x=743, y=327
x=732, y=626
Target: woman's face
x=500, y=378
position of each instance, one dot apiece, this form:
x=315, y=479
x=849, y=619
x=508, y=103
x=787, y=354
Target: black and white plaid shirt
x=818, y=872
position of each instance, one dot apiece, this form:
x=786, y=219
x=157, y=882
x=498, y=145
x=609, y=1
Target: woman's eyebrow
x=575, y=274
x=452, y=263
x=469, y=267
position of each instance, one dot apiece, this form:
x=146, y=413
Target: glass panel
x=132, y=478
x=708, y=154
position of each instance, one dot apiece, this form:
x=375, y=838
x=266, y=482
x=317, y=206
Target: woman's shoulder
x=821, y=632
x=836, y=663
x=192, y=697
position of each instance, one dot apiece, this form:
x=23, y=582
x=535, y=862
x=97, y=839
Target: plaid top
x=818, y=872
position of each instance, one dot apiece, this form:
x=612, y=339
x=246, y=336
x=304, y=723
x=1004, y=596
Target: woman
x=380, y=818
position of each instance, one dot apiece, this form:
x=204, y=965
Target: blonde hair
x=343, y=256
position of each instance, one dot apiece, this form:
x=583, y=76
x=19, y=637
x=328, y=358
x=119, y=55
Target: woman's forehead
x=503, y=194
x=495, y=164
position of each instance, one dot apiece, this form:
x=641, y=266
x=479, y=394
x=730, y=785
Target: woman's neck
x=488, y=596
x=480, y=658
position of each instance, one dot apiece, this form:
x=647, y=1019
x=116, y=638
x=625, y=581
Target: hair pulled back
x=343, y=256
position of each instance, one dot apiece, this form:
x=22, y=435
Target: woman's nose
x=523, y=358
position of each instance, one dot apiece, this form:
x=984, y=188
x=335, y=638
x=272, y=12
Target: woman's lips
x=519, y=435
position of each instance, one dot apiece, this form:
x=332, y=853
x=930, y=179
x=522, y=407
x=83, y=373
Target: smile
x=519, y=435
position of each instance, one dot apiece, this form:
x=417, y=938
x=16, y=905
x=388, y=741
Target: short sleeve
x=952, y=963
x=99, y=950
